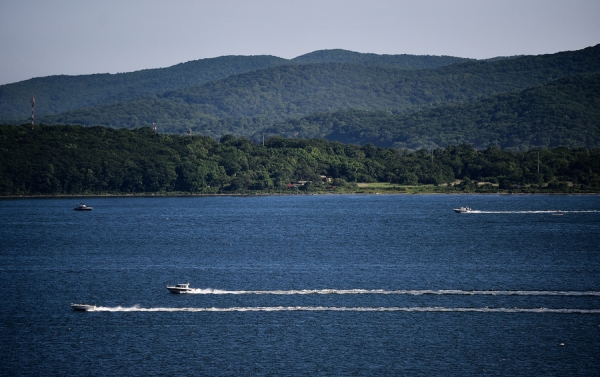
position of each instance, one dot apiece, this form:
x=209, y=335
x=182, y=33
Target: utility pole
x=32, y=116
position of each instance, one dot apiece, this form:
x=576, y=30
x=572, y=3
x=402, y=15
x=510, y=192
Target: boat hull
x=83, y=307
x=463, y=210
x=179, y=290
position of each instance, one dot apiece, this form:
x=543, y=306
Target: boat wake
x=210, y=291
x=522, y=212
x=347, y=309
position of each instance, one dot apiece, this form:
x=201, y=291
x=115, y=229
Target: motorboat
x=463, y=210
x=83, y=207
x=180, y=288
x=83, y=307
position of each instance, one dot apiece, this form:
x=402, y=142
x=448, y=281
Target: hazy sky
x=50, y=37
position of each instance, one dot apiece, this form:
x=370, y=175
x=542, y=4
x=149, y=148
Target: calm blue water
x=302, y=285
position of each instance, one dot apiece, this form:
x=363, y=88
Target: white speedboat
x=463, y=209
x=83, y=307
x=180, y=288
x=83, y=207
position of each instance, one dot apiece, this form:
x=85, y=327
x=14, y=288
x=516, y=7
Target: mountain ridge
x=250, y=96
x=104, y=88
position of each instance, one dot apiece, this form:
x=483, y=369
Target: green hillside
x=565, y=112
x=289, y=91
x=251, y=103
x=57, y=94
x=399, y=101
x=397, y=61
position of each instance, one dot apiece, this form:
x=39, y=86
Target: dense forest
x=58, y=94
x=409, y=102
x=75, y=160
x=564, y=112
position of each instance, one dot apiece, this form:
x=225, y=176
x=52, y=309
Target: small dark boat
x=83, y=207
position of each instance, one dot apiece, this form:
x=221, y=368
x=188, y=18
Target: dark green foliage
x=58, y=94
x=565, y=112
x=418, y=101
x=55, y=160
x=398, y=61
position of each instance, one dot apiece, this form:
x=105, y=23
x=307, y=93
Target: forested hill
x=57, y=94
x=410, y=102
x=292, y=91
x=59, y=160
x=398, y=61
x=565, y=112
x=251, y=103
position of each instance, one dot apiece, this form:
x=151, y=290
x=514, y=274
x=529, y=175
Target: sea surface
x=323, y=285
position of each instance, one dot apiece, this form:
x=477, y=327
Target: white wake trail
x=521, y=212
x=347, y=309
x=210, y=291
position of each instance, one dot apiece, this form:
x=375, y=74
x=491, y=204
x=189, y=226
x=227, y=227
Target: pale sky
x=73, y=37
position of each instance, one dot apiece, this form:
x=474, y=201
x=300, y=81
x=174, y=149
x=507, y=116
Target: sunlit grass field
x=386, y=187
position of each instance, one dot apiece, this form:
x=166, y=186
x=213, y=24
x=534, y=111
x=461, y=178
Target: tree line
x=70, y=160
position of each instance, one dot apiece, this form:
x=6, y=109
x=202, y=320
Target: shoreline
x=151, y=195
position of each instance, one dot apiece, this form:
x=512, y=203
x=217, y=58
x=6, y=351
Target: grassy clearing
x=384, y=187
